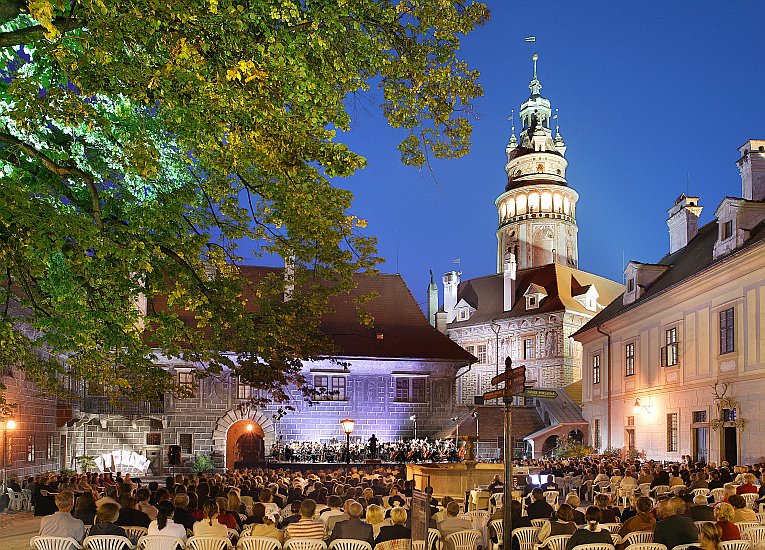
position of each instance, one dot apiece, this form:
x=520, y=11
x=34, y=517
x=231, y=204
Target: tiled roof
x=400, y=329
x=560, y=282
x=690, y=260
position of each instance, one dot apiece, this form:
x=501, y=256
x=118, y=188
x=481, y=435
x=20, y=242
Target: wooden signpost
x=514, y=381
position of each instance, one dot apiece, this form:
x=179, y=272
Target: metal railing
x=101, y=404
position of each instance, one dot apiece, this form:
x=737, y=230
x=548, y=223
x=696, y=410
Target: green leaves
x=143, y=142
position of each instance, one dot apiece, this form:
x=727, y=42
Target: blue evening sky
x=655, y=98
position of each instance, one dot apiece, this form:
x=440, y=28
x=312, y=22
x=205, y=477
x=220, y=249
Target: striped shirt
x=305, y=528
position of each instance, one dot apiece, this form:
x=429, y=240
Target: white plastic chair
x=639, y=537
x=677, y=489
x=718, y=494
x=644, y=489
x=233, y=535
x=595, y=546
x=700, y=524
x=734, y=545
x=744, y=526
x=479, y=518
x=305, y=544
x=761, y=517
x=701, y=491
x=613, y=527
x=683, y=546
x=434, y=539
x=539, y=522
x=617, y=538
x=552, y=498
x=497, y=526
x=259, y=543
x=660, y=490
x=135, y=532
x=54, y=543
x=349, y=544
x=755, y=535
x=209, y=543
x=527, y=537
x=750, y=499
x=106, y=542
x=416, y=545
x=159, y=542
x=26, y=495
x=646, y=546
x=17, y=500
x=556, y=542
x=462, y=540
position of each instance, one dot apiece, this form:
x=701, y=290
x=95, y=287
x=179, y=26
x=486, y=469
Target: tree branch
x=60, y=170
x=27, y=35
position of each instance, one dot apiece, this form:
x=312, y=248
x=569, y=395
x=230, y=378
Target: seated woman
x=728, y=530
x=592, y=533
x=560, y=524
x=395, y=499
x=740, y=511
x=85, y=509
x=709, y=538
x=210, y=526
x=105, y=517
x=609, y=514
x=398, y=530
x=164, y=524
x=376, y=518
x=263, y=525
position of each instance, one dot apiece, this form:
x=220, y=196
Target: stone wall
x=35, y=418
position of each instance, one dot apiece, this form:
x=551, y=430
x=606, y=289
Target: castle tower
x=537, y=211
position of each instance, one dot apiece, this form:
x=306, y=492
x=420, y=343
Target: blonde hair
x=711, y=532
x=398, y=515
x=724, y=511
x=234, y=502
x=375, y=514
x=210, y=510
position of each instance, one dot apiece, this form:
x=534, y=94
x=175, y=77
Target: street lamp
x=475, y=415
x=10, y=424
x=413, y=418
x=347, y=425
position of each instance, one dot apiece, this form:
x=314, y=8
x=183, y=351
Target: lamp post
x=413, y=418
x=457, y=432
x=495, y=326
x=347, y=425
x=475, y=415
x=10, y=424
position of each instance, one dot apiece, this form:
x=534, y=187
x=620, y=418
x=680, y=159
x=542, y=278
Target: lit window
x=669, y=356
x=629, y=359
x=186, y=381
x=245, y=391
x=596, y=433
x=480, y=353
x=699, y=416
x=596, y=369
x=528, y=348
x=672, y=432
x=726, y=331
x=50, y=450
x=30, y=448
x=728, y=415
x=330, y=388
x=630, y=421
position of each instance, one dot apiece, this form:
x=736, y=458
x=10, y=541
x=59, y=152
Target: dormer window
x=532, y=302
x=534, y=296
x=463, y=314
x=727, y=230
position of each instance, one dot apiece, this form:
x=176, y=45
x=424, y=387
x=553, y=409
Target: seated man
x=453, y=523
x=353, y=528
x=62, y=524
x=539, y=508
x=306, y=527
x=673, y=529
x=130, y=516
x=701, y=511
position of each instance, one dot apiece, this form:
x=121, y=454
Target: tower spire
x=535, y=85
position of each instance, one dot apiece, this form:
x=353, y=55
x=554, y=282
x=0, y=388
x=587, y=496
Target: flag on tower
x=531, y=39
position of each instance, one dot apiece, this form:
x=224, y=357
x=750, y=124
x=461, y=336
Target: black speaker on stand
x=174, y=456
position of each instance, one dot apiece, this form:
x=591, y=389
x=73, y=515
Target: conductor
x=373, y=447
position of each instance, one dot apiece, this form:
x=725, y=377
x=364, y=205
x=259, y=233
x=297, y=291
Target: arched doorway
x=576, y=435
x=549, y=445
x=244, y=444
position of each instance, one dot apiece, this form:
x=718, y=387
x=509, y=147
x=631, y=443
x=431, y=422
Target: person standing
x=373, y=447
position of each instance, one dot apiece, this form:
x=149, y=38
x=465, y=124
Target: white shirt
x=172, y=529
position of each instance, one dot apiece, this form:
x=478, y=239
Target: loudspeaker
x=174, y=455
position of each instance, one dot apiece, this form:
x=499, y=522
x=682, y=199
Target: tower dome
x=537, y=211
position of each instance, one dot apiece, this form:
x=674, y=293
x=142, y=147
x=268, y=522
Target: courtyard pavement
x=16, y=528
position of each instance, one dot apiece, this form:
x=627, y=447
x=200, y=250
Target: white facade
x=678, y=366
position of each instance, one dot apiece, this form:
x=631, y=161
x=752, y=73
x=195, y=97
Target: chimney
x=683, y=222
x=752, y=168
x=508, y=277
x=432, y=300
x=289, y=277
x=441, y=321
x=451, y=283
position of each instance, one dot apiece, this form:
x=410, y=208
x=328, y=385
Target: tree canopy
x=147, y=146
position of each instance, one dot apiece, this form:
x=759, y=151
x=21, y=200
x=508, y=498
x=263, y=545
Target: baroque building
x=676, y=366
x=381, y=377
x=538, y=297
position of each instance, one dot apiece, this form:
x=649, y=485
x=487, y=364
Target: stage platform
x=316, y=466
